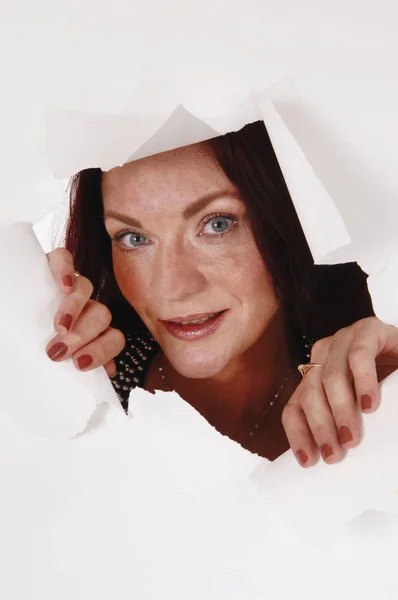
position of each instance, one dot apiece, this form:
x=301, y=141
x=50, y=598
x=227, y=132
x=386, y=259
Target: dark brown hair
x=318, y=300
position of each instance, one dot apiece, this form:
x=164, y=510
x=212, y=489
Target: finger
x=72, y=305
x=314, y=404
x=62, y=267
x=370, y=338
x=93, y=320
x=299, y=435
x=110, y=369
x=363, y=368
x=101, y=351
x=337, y=381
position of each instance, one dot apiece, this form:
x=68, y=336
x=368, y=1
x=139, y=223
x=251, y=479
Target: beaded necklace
x=270, y=404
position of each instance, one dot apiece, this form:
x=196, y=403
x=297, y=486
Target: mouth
x=193, y=327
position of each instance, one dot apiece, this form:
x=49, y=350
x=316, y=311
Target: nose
x=177, y=273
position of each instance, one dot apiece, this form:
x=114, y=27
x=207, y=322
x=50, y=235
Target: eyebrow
x=188, y=213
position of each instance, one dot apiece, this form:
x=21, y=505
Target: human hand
x=323, y=414
x=82, y=324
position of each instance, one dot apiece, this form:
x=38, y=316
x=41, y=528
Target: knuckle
x=60, y=255
x=119, y=338
x=288, y=414
x=86, y=284
x=307, y=394
x=72, y=305
x=306, y=400
x=341, y=334
x=357, y=354
x=57, y=252
x=101, y=355
x=319, y=348
x=366, y=328
x=331, y=374
x=103, y=315
x=321, y=434
x=318, y=345
x=366, y=324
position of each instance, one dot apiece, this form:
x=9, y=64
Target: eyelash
x=209, y=218
x=121, y=234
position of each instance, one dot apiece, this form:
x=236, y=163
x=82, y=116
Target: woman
x=198, y=258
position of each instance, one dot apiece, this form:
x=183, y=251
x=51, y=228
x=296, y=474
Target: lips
x=193, y=327
x=192, y=319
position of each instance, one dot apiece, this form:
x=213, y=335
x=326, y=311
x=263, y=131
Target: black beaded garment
x=133, y=362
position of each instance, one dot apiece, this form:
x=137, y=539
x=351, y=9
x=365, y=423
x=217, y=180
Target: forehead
x=176, y=177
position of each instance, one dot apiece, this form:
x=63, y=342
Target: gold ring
x=305, y=368
x=77, y=274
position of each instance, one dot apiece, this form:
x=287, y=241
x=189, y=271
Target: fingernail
x=67, y=281
x=66, y=321
x=57, y=351
x=366, y=402
x=301, y=457
x=84, y=361
x=345, y=435
x=112, y=373
x=326, y=451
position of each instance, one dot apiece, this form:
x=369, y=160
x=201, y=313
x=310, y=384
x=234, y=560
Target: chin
x=198, y=365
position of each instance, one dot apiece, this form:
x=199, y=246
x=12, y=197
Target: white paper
x=330, y=241
x=130, y=63
x=323, y=226
x=130, y=508
x=383, y=288
x=320, y=502
x=337, y=209
x=363, y=199
x=64, y=399
x=89, y=140
x=121, y=511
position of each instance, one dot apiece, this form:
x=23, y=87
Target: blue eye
x=218, y=224
x=134, y=240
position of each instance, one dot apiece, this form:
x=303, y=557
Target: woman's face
x=183, y=251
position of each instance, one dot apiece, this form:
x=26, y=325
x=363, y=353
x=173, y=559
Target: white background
x=175, y=528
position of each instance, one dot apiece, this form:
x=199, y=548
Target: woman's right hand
x=82, y=324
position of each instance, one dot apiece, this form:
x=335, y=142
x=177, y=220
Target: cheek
x=242, y=270
x=131, y=280
x=259, y=279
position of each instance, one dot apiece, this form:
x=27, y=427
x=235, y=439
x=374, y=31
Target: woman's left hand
x=323, y=413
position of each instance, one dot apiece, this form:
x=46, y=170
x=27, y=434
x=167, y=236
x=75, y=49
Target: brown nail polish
x=57, y=351
x=84, y=361
x=326, y=451
x=67, y=281
x=301, y=457
x=345, y=435
x=366, y=402
x=66, y=321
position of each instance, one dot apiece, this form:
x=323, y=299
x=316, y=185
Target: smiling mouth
x=194, y=319
x=193, y=327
